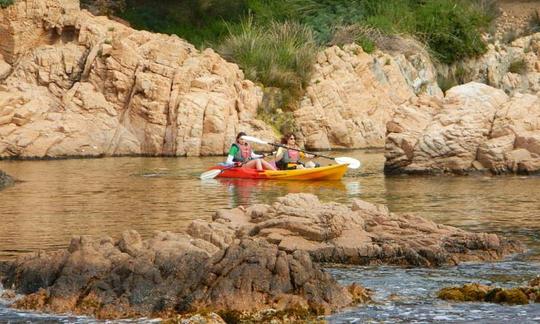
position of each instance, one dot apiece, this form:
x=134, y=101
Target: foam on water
x=409, y=295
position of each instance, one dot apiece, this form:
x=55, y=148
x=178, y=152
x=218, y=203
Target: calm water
x=58, y=199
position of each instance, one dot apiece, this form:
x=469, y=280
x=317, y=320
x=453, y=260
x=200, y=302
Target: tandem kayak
x=330, y=172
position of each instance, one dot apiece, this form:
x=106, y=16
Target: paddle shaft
x=300, y=150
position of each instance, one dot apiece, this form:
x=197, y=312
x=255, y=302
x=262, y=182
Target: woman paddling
x=241, y=153
x=290, y=159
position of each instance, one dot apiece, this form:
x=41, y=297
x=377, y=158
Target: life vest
x=243, y=154
x=289, y=160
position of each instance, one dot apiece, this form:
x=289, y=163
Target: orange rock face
x=72, y=84
x=475, y=128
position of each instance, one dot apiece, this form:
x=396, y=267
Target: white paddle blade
x=254, y=139
x=352, y=163
x=210, y=174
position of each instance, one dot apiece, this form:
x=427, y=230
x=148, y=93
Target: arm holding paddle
x=240, y=156
x=351, y=162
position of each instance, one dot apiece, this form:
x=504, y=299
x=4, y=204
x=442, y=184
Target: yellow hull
x=331, y=172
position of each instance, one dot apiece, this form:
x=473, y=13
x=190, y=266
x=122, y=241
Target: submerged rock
x=5, y=180
x=482, y=293
x=172, y=274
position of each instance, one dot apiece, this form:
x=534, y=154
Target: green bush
x=201, y=22
x=5, y=3
x=534, y=22
x=451, y=29
x=280, y=55
x=518, y=66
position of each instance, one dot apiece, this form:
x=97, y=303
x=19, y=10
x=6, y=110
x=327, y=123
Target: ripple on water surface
x=59, y=199
x=409, y=295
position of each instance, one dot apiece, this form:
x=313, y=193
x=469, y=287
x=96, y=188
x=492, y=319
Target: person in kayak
x=241, y=153
x=290, y=159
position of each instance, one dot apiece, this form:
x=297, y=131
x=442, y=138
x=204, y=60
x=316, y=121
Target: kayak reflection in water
x=246, y=192
x=290, y=159
x=242, y=154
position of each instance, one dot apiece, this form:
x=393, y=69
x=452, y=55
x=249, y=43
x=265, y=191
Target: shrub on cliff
x=5, y=3
x=280, y=55
x=451, y=29
x=534, y=22
x=198, y=21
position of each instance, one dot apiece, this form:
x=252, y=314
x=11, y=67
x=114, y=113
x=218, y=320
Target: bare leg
x=252, y=165
x=259, y=164
x=267, y=166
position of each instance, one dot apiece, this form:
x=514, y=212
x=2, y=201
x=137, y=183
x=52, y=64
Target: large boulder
x=174, y=274
x=72, y=84
x=475, y=128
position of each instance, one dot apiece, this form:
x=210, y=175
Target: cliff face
x=72, y=84
x=474, y=128
x=353, y=95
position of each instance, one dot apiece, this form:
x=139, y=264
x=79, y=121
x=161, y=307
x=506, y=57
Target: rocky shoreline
x=66, y=76
x=244, y=262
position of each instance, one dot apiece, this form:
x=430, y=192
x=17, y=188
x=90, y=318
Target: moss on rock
x=512, y=296
x=451, y=293
x=477, y=292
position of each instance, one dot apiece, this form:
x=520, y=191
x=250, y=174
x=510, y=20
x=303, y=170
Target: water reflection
x=246, y=191
x=58, y=199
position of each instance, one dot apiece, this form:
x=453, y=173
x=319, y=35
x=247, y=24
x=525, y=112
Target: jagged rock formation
x=246, y=260
x=512, y=67
x=5, y=180
x=362, y=234
x=353, y=94
x=72, y=84
x=173, y=273
x=476, y=127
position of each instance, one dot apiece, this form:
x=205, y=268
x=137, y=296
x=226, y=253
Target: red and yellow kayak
x=330, y=172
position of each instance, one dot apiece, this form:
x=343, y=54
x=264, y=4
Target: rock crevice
x=476, y=128
x=162, y=96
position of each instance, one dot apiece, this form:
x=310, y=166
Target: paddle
x=352, y=163
x=211, y=174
